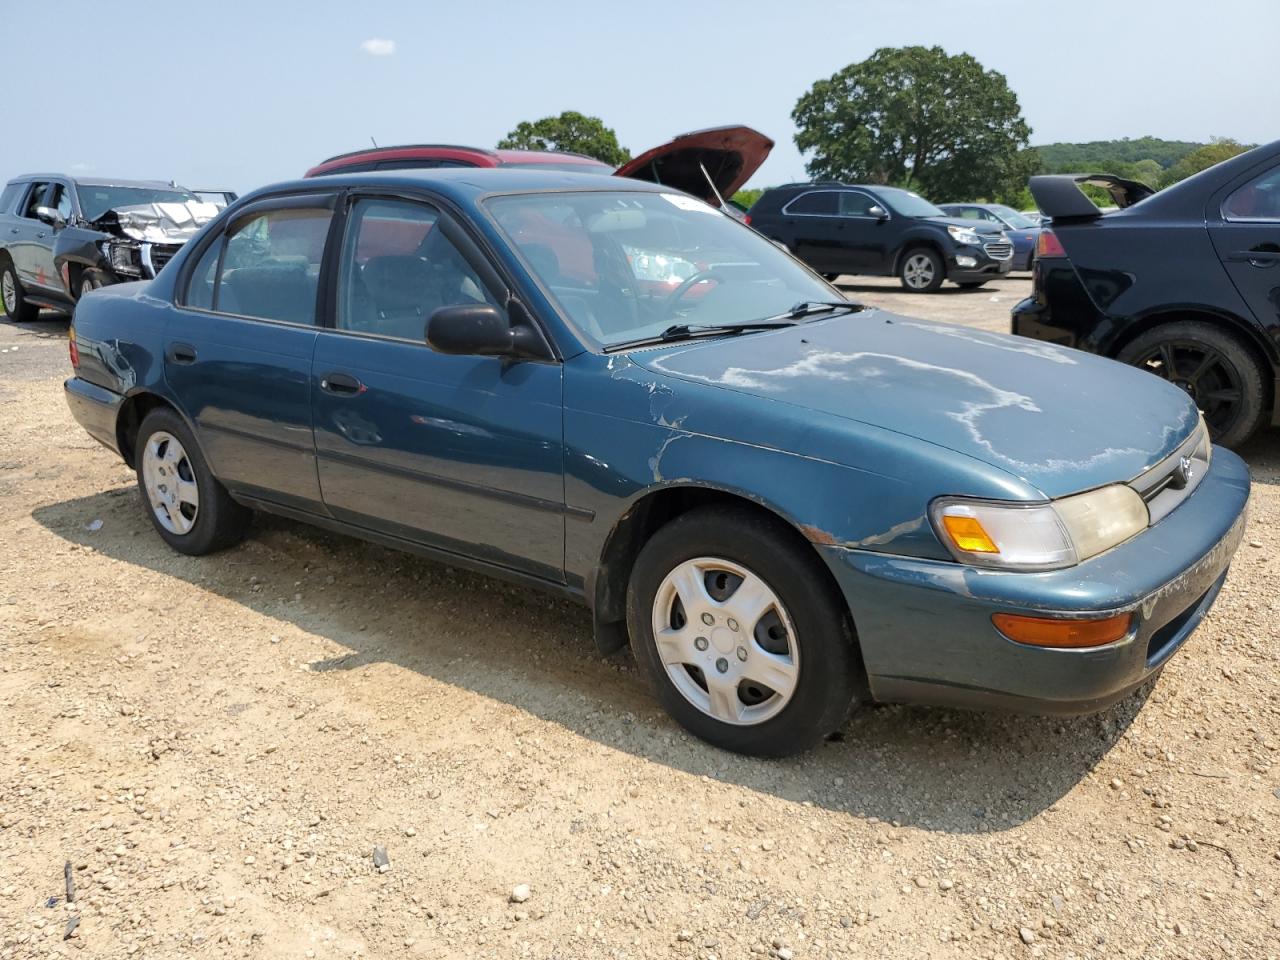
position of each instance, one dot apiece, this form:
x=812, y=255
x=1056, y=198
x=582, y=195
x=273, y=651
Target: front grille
x=998, y=249
x=160, y=254
x=1176, y=477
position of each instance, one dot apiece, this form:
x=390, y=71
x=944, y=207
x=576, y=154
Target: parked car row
x=610, y=390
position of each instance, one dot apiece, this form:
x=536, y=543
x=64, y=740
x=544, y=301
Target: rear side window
x=267, y=266
x=816, y=202
x=9, y=199
x=1257, y=200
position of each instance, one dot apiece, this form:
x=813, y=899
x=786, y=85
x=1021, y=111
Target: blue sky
x=241, y=94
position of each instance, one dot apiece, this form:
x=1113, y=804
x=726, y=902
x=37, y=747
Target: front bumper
x=925, y=627
x=984, y=268
x=96, y=409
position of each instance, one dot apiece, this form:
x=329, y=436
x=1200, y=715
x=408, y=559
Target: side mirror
x=879, y=212
x=480, y=329
x=50, y=216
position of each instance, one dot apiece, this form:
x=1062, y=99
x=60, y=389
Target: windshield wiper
x=807, y=308
x=689, y=331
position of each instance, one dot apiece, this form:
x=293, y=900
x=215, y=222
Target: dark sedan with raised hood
x=61, y=237
x=785, y=502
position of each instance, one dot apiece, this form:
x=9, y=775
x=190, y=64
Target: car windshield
x=96, y=200
x=1012, y=217
x=625, y=265
x=908, y=204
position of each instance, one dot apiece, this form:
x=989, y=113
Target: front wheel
x=741, y=633
x=921, y=271
x=15, y=301
x=1214, y=368
x=189, y=508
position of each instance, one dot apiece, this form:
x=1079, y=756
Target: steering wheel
x=676, y=295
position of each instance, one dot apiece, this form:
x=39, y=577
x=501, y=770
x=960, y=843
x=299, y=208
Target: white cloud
x=377, y=47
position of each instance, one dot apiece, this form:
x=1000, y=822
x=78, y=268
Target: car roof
x=475, y=156
x=99, y=181
x=466, y=184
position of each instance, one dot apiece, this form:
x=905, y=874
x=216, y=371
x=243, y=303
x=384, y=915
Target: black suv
x=839, y=228
x=61, y=237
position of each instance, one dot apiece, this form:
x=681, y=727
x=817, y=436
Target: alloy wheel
x=1204, y=374
x=170, y=483
x=918, y=271
x=8, y=293
x=726, y=641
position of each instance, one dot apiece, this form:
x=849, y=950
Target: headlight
x=124, y=257
x=1040, y=536
x=965, y=235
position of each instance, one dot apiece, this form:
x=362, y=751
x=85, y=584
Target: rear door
x=457, y=452
x=238, y=349
x=812, y=222
x=1245, y=229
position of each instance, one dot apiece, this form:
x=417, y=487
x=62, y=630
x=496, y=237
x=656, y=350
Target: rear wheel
x=741, y=633
x=189, y=508
x=11, y=295
x=921, y=270
x=1214, y=368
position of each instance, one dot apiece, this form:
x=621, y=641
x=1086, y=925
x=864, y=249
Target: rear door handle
x=181, y=353
x=341, y=384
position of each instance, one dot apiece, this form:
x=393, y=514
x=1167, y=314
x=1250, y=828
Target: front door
x=460, y=453
x=1246, y=235
x=27, y=233
x=864, y=237
x=238, y=349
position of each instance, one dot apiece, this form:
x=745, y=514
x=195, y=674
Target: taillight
x=746, y=218
x=71, y=348
x=1048, y=245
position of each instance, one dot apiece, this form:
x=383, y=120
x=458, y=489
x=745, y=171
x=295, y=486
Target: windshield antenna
x=373, y=141
x=711, y=183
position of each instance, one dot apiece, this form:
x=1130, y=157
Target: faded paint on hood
x=158, y=222
x=1062, y=420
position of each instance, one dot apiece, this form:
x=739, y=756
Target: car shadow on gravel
x=933, y=769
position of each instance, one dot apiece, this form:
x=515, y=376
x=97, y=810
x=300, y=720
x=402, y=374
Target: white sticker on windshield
x=687, y=203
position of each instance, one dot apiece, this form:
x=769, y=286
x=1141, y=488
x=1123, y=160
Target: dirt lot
x=218, y=745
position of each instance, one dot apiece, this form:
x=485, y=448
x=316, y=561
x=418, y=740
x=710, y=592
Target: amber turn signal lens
x=1052, y=632
x=967, y=534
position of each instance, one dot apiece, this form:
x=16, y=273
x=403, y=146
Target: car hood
x=729, y=154
x=1061, y=420
x=976, y=225
x=157, y=222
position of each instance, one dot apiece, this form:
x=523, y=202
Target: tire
x=805, y=623
x=921, y=270
x=972, y=284
x=1216, y=369
x=88, y=283
x=189, y=508
x=14, y=300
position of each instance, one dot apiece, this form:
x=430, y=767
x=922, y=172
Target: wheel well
x=643, y=520
x=132, y=412
x=1247, y=338
x=916, y=245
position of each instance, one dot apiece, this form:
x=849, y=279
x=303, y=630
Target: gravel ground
x=218, y=746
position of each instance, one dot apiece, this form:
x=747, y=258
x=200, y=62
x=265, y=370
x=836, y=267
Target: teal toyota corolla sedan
x=786, y=503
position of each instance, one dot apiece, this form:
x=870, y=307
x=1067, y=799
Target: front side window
x=398, y=267
x=267, y=266
x=815, y=203
x=623, y=265
x=35, y=198
x=60, y=200
x=1257, y=200
x=856, y=205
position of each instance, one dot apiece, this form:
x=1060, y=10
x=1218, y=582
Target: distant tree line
x=920, y=118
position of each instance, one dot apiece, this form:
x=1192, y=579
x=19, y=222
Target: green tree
x=917, y=117
x=572, y=132
x=1202, y=159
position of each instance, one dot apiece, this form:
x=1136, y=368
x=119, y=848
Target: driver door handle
x=341, y=384
x=1263, y=256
